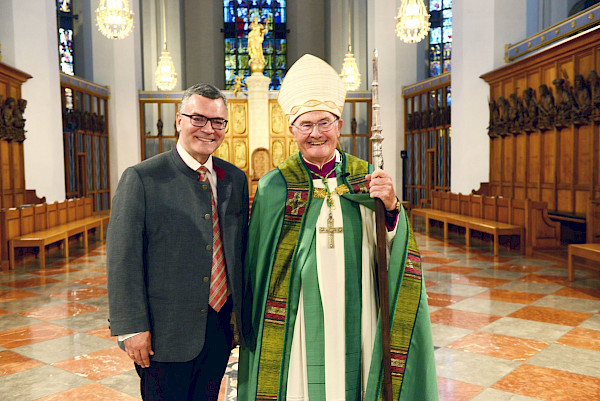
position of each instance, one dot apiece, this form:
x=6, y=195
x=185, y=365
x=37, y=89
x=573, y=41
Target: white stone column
x=258, y=113
x=397, y=67
x=36, y=52
x=117, y=64
x=480, y=31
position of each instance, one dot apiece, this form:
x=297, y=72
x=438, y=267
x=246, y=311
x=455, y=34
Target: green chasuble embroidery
x=279, y=273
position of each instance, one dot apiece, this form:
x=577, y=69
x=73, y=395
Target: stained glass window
x=65, y=17
x=440, y=36
x=237, y=17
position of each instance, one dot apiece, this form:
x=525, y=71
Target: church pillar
x=258, y=112
x=397, y=67
x=36, y=52
x=117, y=64
x=480, y=31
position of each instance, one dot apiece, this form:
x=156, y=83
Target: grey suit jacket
x=159, y=252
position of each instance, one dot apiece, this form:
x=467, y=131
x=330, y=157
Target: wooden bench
x=470, y=223
x=591, y=249
x=496, y=216
x=586, y=251
x=41, y=225
x=592, y=218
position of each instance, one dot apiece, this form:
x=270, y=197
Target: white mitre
x=310, y=85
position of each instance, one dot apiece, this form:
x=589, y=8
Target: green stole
x=294, y=267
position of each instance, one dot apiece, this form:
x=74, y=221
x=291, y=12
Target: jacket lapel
x=224, y=187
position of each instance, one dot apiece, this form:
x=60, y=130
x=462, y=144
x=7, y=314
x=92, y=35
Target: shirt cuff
x=124, y=337
x=391, y=219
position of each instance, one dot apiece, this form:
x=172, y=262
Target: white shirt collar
x=193, y=163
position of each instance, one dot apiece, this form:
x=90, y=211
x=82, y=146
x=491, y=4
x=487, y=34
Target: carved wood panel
x=554, y=156
x=12, y=164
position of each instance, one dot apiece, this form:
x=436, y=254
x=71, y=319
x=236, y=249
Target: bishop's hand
x=381, y=187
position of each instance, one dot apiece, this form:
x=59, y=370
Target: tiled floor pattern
x=505, y=328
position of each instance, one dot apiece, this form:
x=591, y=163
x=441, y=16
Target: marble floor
x=505, y=328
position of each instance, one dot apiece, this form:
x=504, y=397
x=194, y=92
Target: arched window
x=64, y=11
x=237, y=16
x=440, y=36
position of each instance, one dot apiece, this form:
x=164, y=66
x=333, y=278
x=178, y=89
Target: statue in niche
x=583, y=101
x=86, y=121
x=424, y=119
x=546, y=108
x=1, y=119
x=594, y=85
x=159, y=127
x=19, y=121
x=237, y=85
x=93, y=122
x=353, y=125
x=494, y=119
x=530, y=111
x=564, y=104
x=416, y=120
x=76, y=120
x=431, y=118
x=515, y=114
x=67, y=117
x=255, y=41
x=8, y=117
x=504, y=120
x=445, y=115
x=437, y=116
x=102, y=124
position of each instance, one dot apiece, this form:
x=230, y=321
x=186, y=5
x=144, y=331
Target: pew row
x=496, y=216
x=40, y=225
x=591, y=249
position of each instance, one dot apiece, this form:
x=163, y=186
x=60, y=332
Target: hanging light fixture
x=350, y=74
x=114, y=18
x=166, y=77
x=412, y=21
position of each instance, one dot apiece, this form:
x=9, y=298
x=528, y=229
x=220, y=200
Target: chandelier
x=114, y=18
x=350, y=74
x=412, y=21
x=166, y=77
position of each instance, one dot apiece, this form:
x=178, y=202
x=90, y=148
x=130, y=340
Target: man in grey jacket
x=175, y=250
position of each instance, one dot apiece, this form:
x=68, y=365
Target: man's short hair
x=205, y=90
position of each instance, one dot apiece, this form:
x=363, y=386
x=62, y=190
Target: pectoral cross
x=330, y=230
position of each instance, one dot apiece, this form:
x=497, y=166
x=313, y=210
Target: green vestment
x=280, y=266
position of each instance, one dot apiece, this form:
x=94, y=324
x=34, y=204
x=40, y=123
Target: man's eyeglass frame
x=323, y=126
x=213, y=120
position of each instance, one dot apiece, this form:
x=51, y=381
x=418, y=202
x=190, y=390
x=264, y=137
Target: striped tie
x=218, y=278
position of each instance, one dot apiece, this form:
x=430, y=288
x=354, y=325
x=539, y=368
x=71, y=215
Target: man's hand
x=139, y=348
x=381, y=187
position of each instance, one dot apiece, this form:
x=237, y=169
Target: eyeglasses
x=198, y=120
x=323, y=126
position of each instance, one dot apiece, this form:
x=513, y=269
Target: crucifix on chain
x=330, y=230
